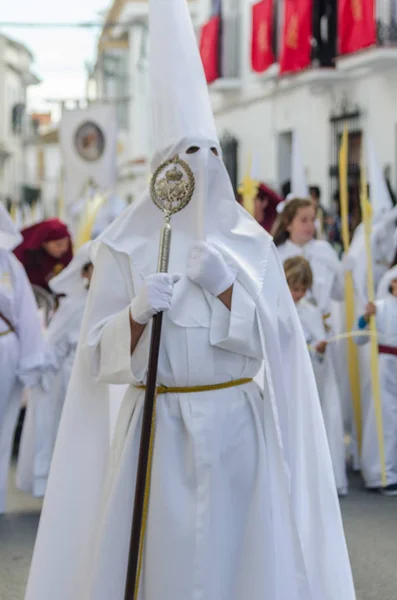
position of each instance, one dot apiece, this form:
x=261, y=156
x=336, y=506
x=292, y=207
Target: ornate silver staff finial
x=171, y=190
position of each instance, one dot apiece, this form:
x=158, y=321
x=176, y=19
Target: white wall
x=50, y=184
x=266, y=106
x=258, y=119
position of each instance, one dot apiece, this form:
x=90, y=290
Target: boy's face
x=298, y=292
x=393, y=287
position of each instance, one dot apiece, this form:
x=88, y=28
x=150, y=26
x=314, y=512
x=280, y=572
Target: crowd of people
x=41, y=255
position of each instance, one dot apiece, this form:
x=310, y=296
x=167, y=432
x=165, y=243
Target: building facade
x=15, y=77
x=258, y=114
x=43, y=171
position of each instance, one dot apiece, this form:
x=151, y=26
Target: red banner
x=297, y=35
x=356, y=25
x=209, y=48
x=262, y=56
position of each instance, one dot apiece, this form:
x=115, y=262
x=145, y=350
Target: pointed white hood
x=182, y=118
x=181, y=105
x=380, y=198
x=10, y=237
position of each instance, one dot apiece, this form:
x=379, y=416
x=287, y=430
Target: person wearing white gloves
x=242, y=500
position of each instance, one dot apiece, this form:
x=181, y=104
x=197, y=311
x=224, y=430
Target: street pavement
x=370, y=522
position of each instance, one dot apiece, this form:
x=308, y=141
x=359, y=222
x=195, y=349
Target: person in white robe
x=383, y=243
x=300, y=280
x=294, y=236
x=384, y=217
x=46, y=397
x=21, y=342
x=243, y=501
x=385, y=311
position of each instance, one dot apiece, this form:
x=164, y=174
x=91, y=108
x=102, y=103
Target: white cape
x=314, y=330
x=307, y=531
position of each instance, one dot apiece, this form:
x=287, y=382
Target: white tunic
x=46, y=398
x=386, y=323
x=217, y=479
x=327, y=293
x=314, y=330
x=20, y=353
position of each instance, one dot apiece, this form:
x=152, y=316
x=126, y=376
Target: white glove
x=154, y=297
x=208, y=269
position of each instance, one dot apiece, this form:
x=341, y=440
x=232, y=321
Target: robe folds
x=21, y=352
x=47, y=396
x=314, y=331
x=243, y=501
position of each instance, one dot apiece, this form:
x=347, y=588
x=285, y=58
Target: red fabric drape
x=297, y=34
x=209, y=48
x=356, y=25
x=262, y=56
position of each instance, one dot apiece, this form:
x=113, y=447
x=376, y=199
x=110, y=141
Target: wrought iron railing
x=386, y=21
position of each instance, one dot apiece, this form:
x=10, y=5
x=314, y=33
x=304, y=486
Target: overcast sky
x=60, y=54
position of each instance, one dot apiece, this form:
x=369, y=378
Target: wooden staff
x=171, y=193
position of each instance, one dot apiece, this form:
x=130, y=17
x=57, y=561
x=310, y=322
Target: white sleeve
x=236, y=330
x=109, y=337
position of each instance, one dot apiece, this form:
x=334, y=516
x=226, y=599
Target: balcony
x=383, y=55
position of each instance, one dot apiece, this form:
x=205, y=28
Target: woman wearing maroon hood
x=45, y=251
x=266, y=202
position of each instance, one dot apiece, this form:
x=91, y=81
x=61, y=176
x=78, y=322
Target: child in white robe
x=300, y=279
x=47, y=397
x=21, y=342
x=295, y=236
x=385, y=311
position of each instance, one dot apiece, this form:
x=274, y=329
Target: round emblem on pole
x=89, y=141
x=172, y=186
